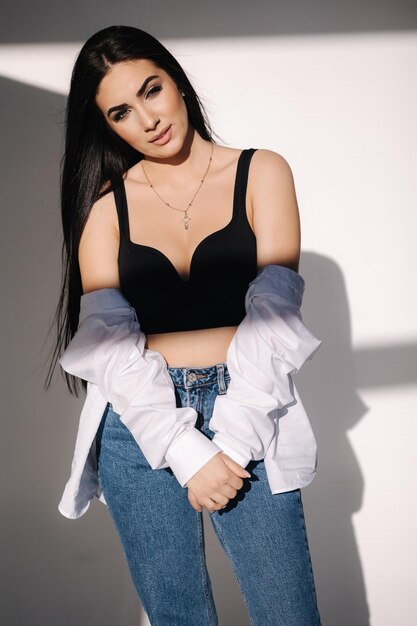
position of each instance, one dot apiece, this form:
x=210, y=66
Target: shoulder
x=103, y=215
x=266, y=163
x=99, y=245
x=275, y=212
x=270, y=177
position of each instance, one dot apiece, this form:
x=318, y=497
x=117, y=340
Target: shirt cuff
x=110, y=299
x=188, y=453
x=239, y=458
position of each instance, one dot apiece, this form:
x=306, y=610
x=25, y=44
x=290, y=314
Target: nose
x=148, y=119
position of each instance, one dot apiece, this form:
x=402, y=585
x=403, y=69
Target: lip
x=162, y=137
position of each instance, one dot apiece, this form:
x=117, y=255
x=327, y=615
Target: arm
x=269, y=346
x=108, y=350
x=271, y=343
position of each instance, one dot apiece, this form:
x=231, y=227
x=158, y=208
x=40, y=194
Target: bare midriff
x=193, y=348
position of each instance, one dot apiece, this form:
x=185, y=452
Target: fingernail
x=247, y=473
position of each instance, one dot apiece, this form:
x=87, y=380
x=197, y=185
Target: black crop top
x=222, y=266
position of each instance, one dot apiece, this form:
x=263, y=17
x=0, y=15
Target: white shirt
x=260, y=417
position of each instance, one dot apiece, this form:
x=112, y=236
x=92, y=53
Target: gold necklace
x=185, y=219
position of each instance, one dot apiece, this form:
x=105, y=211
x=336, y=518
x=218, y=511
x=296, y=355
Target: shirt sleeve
x=108, y=350
x=269, y=346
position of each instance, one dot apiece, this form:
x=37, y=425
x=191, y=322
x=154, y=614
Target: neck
x=185, y=165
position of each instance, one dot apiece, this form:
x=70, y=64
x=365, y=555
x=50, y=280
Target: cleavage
x=197, y=248
x=224, y=195
x=225, y=222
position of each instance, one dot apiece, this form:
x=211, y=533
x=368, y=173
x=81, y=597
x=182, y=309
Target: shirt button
x=192, y=376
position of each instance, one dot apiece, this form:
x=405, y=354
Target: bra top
x=222, y=266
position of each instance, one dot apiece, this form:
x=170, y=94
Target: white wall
x=341, y=110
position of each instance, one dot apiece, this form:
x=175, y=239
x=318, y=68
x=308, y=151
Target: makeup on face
x=143, y=105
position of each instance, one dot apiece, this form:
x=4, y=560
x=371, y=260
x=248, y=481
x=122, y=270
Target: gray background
x=72, y=573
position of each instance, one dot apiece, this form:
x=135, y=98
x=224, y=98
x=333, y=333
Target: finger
x=235, y=467
x=235, y=482
x=220, y=499
x=194, y=505
x=229, y=491
x=210, y=505
x=193, y=501
x=216, y=502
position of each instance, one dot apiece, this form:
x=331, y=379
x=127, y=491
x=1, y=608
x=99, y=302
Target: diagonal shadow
x=77, y=20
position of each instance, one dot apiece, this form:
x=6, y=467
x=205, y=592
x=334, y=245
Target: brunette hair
x=95, y=158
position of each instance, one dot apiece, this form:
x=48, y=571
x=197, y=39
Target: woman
x=164, y=231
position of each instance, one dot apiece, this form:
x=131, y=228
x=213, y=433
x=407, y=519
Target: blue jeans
x=263, y=535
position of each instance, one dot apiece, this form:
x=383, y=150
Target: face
x=139, y=101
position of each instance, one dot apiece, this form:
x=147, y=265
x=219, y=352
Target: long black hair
x=95, y=157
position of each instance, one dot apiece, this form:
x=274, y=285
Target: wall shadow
x=77, y=20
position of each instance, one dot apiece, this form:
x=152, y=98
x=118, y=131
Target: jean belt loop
x=220, y=378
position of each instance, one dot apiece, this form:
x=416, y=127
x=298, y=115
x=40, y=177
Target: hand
x=195, y=504
x=215, y=483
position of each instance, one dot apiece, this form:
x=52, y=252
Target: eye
x=153, y=91
x=119, y=115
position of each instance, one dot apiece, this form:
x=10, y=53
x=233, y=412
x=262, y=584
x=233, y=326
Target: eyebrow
x=138, y=93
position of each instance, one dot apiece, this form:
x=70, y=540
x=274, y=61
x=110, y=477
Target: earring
x=183, y=94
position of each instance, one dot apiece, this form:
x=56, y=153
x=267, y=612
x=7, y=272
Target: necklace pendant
x=186, y=219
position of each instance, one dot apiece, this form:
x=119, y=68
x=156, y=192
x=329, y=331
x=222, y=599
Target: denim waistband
x=190, y=377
